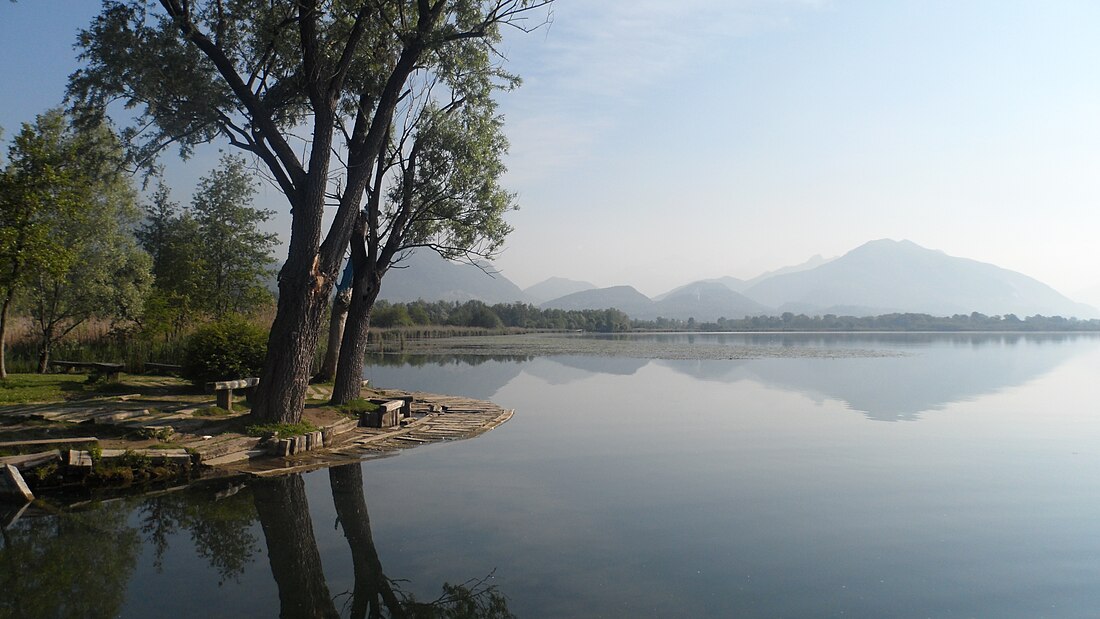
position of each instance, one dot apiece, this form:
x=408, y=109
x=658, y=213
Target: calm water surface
x=957, y=477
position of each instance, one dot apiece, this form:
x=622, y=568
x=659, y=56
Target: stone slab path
x=434, y=418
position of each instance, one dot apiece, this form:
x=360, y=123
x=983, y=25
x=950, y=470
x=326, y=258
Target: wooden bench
x=109, y=370
x=387, y=415
x=163, y=368
x=224, y=390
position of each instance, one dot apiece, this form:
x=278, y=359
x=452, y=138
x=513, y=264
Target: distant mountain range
x=879, y=277
x=424, y=275
x=555, y=287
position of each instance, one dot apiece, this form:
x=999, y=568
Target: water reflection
x=935, y=370
x=71, y=566
x=920, y=372
x=79, y=564
x=444, y=374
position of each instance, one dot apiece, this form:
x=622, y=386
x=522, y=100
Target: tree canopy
x=258, y=74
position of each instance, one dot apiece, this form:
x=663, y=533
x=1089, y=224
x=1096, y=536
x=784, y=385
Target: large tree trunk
x=349, y=370
x=336, y=322
x=291, y=345
x=283, y=509
x=371, y=584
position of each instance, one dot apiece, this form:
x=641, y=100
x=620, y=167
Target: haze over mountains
x=879, y=277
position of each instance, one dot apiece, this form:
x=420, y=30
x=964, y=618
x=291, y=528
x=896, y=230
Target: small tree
x=65, y=245
x=211, y=259
x=171, y=237
x=236, y=255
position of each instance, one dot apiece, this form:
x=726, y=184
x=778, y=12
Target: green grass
x=211, y=411
x=356, y=406
x=27, y=388
x=280, y=429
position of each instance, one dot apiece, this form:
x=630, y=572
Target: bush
x=228, y=349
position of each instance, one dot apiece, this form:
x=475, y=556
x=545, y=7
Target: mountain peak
x=885, y=276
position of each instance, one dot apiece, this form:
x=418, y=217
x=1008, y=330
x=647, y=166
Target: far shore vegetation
x=393, y=323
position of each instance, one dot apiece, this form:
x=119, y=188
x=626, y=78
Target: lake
x=859, y=475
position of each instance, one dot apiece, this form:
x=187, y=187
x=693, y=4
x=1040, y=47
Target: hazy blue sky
x=657, y=142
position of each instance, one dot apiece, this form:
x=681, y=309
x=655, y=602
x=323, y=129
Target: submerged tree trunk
x=283, y=510
x=335, y=334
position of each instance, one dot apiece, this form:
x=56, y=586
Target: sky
x=654, y=143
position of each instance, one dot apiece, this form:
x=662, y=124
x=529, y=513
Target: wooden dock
x=434, y=418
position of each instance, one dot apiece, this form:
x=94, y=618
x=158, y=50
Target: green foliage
x=391, y=316
x=66, y=252
x=211, y=259
x=491, y=317
x=236, y=256
x=228, y=349
x=160, y=434
x=171, y=237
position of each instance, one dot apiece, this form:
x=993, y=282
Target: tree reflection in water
x=76, y=565
x=79, y=564
x=296, y=564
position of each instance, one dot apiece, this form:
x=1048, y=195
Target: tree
x=236, y=255
x=210, y=259
x=445, y=196
x=170, y=235
x=258, y=73
x=65, y=243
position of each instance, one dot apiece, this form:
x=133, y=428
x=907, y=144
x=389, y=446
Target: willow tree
x=260, y=73
x=443, y=170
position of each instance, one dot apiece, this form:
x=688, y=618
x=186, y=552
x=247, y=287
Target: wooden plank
x=29, y=461
x=98, y=365
x=243, y=383
x=50, y=441
x=80, y=459
x=12, y=485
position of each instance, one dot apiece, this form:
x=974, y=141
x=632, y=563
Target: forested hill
x=524, y=316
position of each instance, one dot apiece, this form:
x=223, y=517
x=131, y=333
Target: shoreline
x=84, y=445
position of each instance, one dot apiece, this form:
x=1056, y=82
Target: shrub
x=228, y=349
